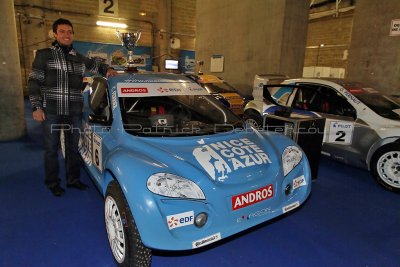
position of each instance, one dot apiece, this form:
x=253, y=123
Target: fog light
x=200, y=219
x=288, y=189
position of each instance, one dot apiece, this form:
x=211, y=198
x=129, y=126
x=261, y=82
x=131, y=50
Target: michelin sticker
x=291, y=207
x=340, y=132
x=206, y=240
x=219, y=159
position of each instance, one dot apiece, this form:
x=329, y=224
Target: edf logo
x=180, y=219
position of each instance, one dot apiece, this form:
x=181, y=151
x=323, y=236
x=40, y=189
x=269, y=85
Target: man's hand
x=111, y=72
x=38, y=115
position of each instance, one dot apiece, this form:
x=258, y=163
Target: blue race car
x=178, y=169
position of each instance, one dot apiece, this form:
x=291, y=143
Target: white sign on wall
x=217, y=63
x=395, y=27
x=108, y=8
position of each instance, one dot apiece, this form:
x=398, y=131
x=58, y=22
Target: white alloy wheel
x=115, y=230
x=388, y=168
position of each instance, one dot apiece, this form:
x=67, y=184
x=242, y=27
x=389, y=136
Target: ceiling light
x=142, y=13
x=111, y=24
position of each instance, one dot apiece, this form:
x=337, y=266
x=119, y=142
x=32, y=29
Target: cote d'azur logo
x=220, y=159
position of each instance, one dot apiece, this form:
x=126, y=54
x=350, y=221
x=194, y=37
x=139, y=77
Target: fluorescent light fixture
x=111, y=24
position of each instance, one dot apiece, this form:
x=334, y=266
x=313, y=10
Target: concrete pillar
x=12, y=123
x=163, y=26
x=254, y=36
x=374, y=55
x=33, y=33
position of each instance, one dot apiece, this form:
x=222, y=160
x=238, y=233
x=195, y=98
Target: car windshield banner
x=159, y=89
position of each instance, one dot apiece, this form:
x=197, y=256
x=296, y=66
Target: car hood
x=223, y=158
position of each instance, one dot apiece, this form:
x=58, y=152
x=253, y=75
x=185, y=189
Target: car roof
x=351, y=86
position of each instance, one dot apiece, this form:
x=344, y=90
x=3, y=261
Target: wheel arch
x=377, y=145
x=130, y=171
x=253, y=107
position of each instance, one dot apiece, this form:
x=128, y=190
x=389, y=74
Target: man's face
x=64, y=34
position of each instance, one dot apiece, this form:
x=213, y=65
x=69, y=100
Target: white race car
x=362, y=125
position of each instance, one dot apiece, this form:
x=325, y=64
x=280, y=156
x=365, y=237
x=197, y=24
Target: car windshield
x=179, y=115
x=381, y=104
x=217, y=88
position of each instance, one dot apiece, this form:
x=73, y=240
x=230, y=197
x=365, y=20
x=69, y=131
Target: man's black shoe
x=78, y=185
x=57, y=190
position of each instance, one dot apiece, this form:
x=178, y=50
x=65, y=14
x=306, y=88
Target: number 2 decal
x=340, y=132
x=108, y=8
x=341, y=136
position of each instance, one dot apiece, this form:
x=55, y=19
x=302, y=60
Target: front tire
x=123, y=235
x=386, y=166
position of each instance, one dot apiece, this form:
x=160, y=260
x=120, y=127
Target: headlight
x=291, y=156
x=170, y=185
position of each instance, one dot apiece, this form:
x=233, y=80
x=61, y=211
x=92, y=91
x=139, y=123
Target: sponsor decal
x=221, y=158
x=349, y=95
x=291, y=207
x=206, y=240
x=180, y=219
x=299, y=181
x=97, y=152
x=340, y=132
x=85, y=145
x=159, y=89
x=252, y=197
x=166, y=90
x=133, y=90
x=258, y=213
x=114, y=99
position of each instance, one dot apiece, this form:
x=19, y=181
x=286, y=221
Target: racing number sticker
x=341, y=132
x=97, y=160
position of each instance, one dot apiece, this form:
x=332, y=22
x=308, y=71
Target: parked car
x=178, y=170
x=222, y=91
x=362, y=125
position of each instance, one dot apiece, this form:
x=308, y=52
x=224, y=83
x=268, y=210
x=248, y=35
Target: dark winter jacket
x=56, y=81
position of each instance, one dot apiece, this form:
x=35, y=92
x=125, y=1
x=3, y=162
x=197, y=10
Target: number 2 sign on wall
x=108, y=8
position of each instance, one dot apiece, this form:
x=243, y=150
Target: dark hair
x=61, y=21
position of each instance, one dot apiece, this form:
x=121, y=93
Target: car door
x=97, y=119
x=344, y=134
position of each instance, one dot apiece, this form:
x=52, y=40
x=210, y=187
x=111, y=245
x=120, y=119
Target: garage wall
x=254, y=36
x=335, y=34
x=374, y=55
x=35, y=17
x=331, y=26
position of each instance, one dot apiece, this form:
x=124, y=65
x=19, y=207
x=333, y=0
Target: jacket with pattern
x=56, y=81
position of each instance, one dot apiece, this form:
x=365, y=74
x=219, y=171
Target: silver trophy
x=129, y=40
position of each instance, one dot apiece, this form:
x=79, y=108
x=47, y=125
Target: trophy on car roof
x=129, y=41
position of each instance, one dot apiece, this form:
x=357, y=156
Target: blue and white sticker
x=180, y=219
x=219, y=159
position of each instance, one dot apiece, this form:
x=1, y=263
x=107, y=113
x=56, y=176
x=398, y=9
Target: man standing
x=55, y=86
